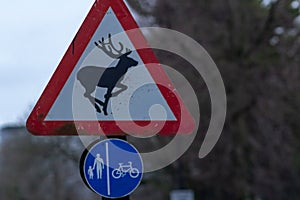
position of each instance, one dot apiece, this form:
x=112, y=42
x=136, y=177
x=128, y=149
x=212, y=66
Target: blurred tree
x=40, y=167
x=256, y=45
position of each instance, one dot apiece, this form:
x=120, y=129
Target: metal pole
x=122, y=198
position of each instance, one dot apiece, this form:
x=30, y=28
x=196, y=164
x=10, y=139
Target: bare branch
x=267, y=28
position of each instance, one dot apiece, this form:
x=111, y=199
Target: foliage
x=256, y=48
x=40, y=167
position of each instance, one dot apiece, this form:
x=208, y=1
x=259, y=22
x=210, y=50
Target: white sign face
x=182, y=195
x=135, y=96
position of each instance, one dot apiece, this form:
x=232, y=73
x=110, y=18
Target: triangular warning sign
x=107, y=84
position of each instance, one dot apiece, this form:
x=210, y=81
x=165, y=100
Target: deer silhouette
x=91, y=77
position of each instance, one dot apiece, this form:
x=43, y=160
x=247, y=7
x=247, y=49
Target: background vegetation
x=256, y=46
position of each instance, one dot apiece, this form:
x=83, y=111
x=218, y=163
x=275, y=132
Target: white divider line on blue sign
x=107, y=170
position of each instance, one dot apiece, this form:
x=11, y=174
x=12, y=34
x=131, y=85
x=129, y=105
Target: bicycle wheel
x=116, y=173
x=134, y=173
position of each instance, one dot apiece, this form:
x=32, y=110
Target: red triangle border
x=36, y=123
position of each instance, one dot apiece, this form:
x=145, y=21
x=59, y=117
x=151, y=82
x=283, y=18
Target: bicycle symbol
x=122, y=170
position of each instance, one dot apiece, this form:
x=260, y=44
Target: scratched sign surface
x=95, y=73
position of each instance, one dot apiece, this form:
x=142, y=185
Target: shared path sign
x=112, y=168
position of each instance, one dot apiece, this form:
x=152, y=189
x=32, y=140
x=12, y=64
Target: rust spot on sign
x=41, y=116
x=67, y=129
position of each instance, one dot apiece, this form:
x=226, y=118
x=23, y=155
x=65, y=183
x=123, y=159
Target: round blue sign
x=112, y=168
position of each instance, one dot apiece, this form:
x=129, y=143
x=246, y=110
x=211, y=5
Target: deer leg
x=101, y=103
x=107, y=97
x=123, y=88
x=93, y=101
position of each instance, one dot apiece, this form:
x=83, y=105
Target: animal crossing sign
x=106, y=84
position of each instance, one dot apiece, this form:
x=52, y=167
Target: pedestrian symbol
x=99, y=164
x=112, y=168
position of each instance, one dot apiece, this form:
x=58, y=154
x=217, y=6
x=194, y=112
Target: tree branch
x=139, y=8
x=265, y=31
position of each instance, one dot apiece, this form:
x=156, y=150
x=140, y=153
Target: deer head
x=109, y=49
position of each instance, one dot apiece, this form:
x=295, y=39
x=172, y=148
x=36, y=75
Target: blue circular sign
x=112, y=168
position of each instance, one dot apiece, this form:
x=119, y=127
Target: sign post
x=182, y=195
x=123, y=198
x=126, y=197
x=106, y=84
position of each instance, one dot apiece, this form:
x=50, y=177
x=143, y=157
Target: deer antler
x=108, y=47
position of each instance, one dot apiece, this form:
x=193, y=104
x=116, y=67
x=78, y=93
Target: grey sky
x=34, y=36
